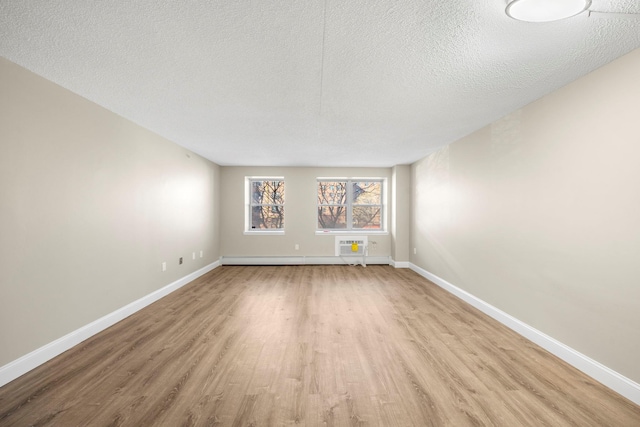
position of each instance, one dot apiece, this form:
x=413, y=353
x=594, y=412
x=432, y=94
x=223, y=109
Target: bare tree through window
x=332, y=204
x=367, y=205
x=267, y=204
x=349, y=204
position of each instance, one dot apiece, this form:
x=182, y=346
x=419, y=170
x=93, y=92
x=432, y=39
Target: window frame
x=249, y=205
x=349, y=206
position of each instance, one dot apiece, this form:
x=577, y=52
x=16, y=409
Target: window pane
x=267, y=217
x=332, y=217
x=332, y=192
x=267, y=192
x=367, y=193
x=367, y=217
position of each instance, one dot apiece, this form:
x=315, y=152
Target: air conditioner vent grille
x=351, y=246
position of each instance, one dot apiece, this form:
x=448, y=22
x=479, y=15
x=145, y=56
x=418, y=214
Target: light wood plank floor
x=310, y=345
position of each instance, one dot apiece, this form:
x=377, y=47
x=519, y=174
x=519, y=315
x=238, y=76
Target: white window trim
x=247, y=207
x=323, y=231
x=264, y=232
x=349, y=218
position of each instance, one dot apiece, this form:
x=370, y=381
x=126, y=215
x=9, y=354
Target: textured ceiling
x=309, y=83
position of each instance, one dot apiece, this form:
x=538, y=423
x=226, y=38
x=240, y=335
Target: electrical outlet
x=200, y=254
x=164, y=266
x=193, y=255
x=415, y=251
x=180, y=261
x=297, y=247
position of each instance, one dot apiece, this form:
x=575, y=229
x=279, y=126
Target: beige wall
x=300, y=213
x=539, y=215
x=91, y=205
x=400, y=212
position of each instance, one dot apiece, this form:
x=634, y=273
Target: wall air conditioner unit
x=351, y=246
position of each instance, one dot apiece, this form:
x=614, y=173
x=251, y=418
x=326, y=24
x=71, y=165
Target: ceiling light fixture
x=545, y=10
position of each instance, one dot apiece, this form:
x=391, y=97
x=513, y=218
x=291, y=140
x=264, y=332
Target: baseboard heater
x=303, y=260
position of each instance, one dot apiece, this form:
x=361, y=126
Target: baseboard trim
x=303, y=260
x=608, y=377
x=400, y=264
x=24, y=364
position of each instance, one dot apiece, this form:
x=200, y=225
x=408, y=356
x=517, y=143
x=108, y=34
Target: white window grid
x=349, y=205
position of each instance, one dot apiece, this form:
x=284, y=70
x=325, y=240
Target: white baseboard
x=24, y=364
x=303, y=260
x=400, y=264
x=608, y=377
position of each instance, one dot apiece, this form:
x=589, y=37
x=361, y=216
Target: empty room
x=321, y=213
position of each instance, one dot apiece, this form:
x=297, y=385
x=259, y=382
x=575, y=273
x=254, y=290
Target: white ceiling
x=309, y=83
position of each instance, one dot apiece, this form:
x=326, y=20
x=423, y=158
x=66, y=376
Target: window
x=350, y=204
x=265, y=204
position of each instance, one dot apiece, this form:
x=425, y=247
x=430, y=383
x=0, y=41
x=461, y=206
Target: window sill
x=348, y=232
x=265, y=233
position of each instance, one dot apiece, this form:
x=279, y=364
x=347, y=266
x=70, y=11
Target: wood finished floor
x=310, y=345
